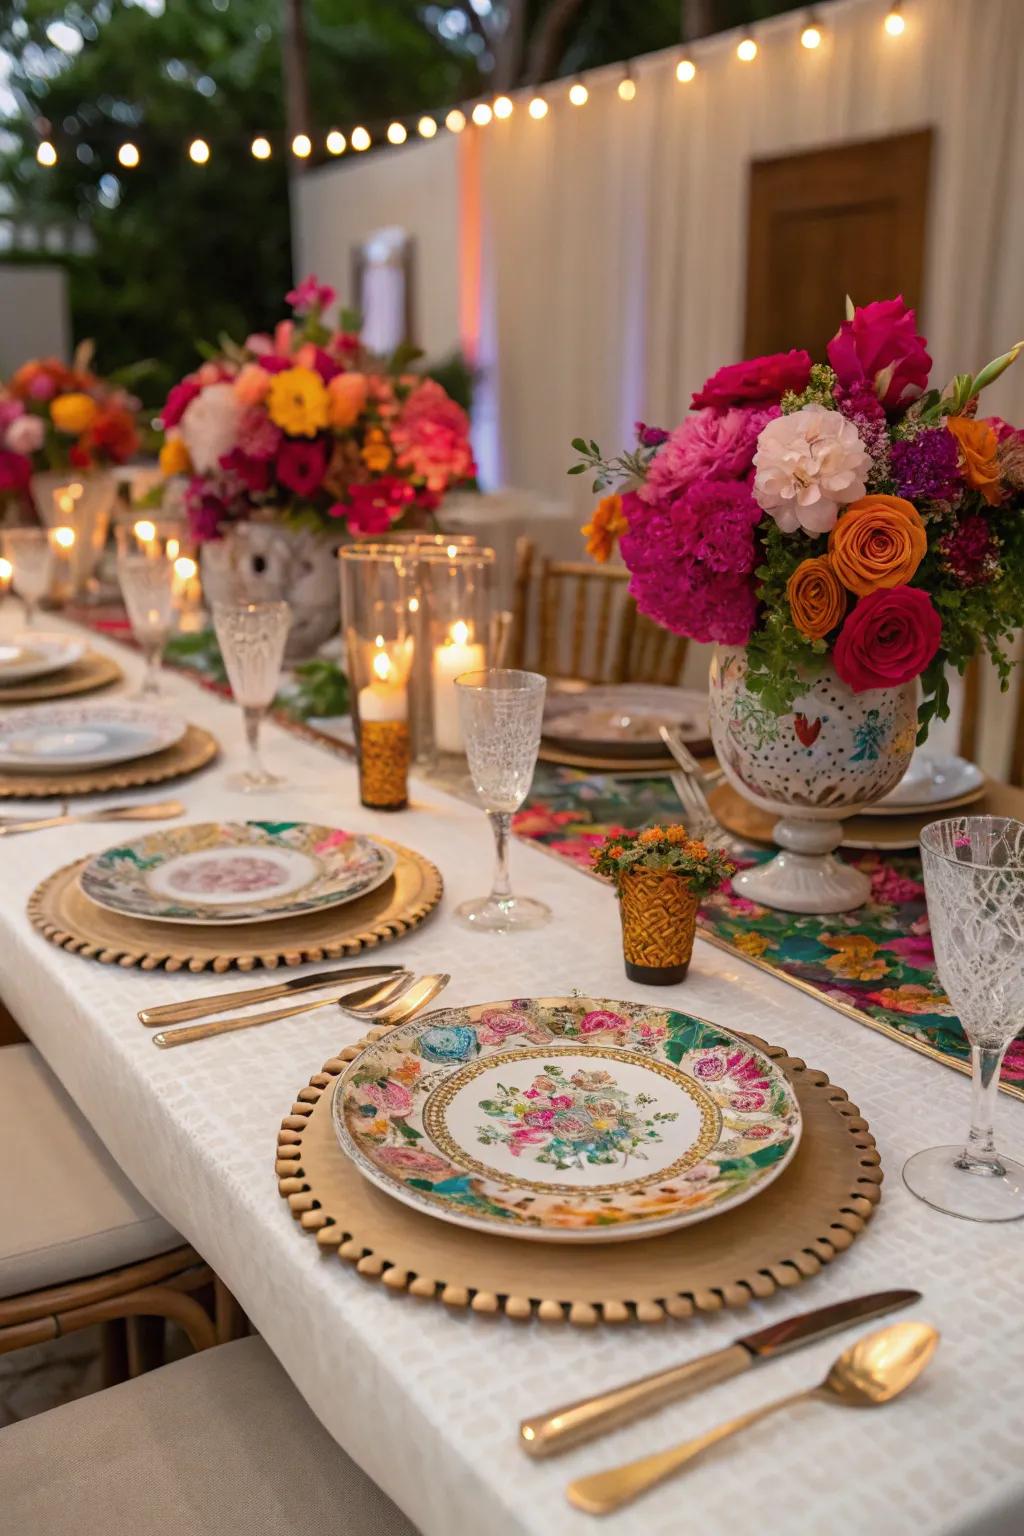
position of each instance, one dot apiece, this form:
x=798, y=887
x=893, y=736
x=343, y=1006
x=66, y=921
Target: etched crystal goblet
x=974, y=883
x=500, y=711
x=31, y=553
x=146, y=552
x=252, y=639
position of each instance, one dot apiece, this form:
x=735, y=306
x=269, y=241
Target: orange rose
x=605, y=526
x=817, y=601
x=346, y=399
x=73, y=413
x=879, y=541
x=978, y=444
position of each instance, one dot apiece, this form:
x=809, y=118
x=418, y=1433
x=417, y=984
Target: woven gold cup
x=659, y=921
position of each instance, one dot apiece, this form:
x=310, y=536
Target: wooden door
x=845, y=220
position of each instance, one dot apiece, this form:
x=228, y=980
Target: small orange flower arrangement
x=667, y=851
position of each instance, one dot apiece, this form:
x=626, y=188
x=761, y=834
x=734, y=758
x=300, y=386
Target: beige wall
x=33, y=315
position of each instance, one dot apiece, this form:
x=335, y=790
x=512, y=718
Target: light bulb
x=260, y=149
x=538, y=108
x=627, y=88
x=503, y=106
x=128, y=156
x=396, y=133
x=199, y=151
x=578, y=94
x=685, y=71
x=455, y=121
x=46, y=154
x=335, y=142
x=359, y=139
x=144, y=530
x=482, y=114
x=810, y=37
x=185, y=568
x=747, y=50
x=426, y=127
x=302, y=146
x=894, y=23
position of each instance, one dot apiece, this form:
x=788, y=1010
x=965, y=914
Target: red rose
x=887, y=639
x=880, y=347
x=762, y=379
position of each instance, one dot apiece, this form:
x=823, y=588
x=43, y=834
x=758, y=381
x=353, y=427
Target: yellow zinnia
x=376, y=451
x=297, y=402
x=73, y=413
x=174, y=459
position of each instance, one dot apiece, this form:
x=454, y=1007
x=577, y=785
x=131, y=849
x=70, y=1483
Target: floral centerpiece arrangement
x=844, y=533
x=660, y=875
x=305, y=426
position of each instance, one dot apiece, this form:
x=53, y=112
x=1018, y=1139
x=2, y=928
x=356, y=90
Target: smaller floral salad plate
x=566, y=1119
x=236, y=872
x=932, y=783
x=34, y=654
x=624, y=720
x=52, y=736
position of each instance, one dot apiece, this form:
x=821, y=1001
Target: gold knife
x=371, y=997
x=578, y=1422
x=241, y=997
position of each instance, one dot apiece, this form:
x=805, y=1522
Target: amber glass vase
x=659, y=920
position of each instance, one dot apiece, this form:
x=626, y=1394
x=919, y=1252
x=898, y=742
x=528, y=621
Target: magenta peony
x=710, y=444
x=761, y=380
x=809, y=464
x=880, y=345
x=680, y=588
x=887, y=639
x=431, y=437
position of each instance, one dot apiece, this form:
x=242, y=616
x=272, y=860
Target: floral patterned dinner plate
x=236, y=872
x=566, y=1119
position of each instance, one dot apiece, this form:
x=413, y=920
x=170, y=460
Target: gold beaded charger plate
x=63, y=913
x=220, y=872
x=87, y=675
x=811, y=1213
x=566, y=1120
x=193, y=751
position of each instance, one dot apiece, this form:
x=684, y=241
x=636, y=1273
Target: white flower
x=809, y=464
x=25, y=434
x=210, y=425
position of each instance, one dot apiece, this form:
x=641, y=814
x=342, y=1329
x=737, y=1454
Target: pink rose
x=562, y=1101
x=887, y=639
x=880, y=346
x=761, y=379
x=601, y=1019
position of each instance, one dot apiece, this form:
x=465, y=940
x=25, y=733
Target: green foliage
x=321, y=690
x=625, y=471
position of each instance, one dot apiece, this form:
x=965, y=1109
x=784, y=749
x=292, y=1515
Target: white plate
x=33, y=654
x=49, y=737
x=623, y=719
x=932, y=781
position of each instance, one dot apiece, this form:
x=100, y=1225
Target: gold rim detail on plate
x=89, y=673
x=195, y=750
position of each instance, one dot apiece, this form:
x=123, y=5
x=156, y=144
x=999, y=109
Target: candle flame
x=382, y=666
x=145, y=531
x=65, y=502
x=64, y=538
x=459, y=632
x=185, y=567
x=173, y=549
x=414, y=605
x=6, y=570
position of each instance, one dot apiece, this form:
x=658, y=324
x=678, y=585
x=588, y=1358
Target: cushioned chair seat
x=66, y=1209
x=220, y=1444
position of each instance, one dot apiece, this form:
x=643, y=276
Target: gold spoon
x=873, y=1371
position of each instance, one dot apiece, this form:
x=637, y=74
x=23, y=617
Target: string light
x=746, y=50
x=128, y=156
x=482, y=114
x=578, y=94
x=260, y=148
x=538, y=108
x=46, y=154
x=335, y=142
x=199, y=152
x=359, y=139
x=894, y=23
x=302, y=146
x=810, y=37
x=396, y=133
x=426, y=127
x=627, y=87
x=503, y=106
x=455, y=121
x=685, y=71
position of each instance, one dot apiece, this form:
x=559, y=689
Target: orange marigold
x=606, y=525
x=652, y=835
x=676, y=834
x=696, y=850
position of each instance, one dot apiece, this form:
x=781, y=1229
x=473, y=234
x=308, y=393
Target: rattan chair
x=576, y=622
x=79, y=1245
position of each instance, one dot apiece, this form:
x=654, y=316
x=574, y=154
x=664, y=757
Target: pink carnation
x=431, y=437
x=709, y=444
x=257, y=435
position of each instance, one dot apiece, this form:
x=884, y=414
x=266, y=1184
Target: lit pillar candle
x=383, y=737
x=384, y=698
x=456, y=656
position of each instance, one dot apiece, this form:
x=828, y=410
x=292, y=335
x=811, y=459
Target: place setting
x=35, y=666
x=617, y=727
x=57, y=750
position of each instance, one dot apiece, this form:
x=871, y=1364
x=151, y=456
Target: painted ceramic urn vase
x=659, y=920
x=834, y=754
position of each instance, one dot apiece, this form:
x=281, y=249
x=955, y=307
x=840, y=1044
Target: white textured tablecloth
x=428, y=1401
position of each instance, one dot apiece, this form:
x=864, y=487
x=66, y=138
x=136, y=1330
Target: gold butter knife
x=592, y=1416
x=241, y=997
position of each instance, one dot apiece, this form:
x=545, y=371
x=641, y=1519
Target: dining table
x=427, y=1399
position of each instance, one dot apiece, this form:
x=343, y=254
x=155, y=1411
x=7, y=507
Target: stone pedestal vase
x=268, y=562
x=659, y=920
x=94, y=492
x=834, y=754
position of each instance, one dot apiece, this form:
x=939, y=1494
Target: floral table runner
x=875, y=964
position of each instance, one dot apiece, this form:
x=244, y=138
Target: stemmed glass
x=974, y=883
x=252, y=638
x=146, y=553
x=31, y=553
x=500, y=712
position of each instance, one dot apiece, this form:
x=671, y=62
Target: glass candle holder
x=457, y=594
x=81, y=506
x=378, y=608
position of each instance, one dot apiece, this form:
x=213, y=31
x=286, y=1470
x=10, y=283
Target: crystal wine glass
x=31, y=553
x=146, y=553
x=500, y=711
x=974, y=882
x=252, y=639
